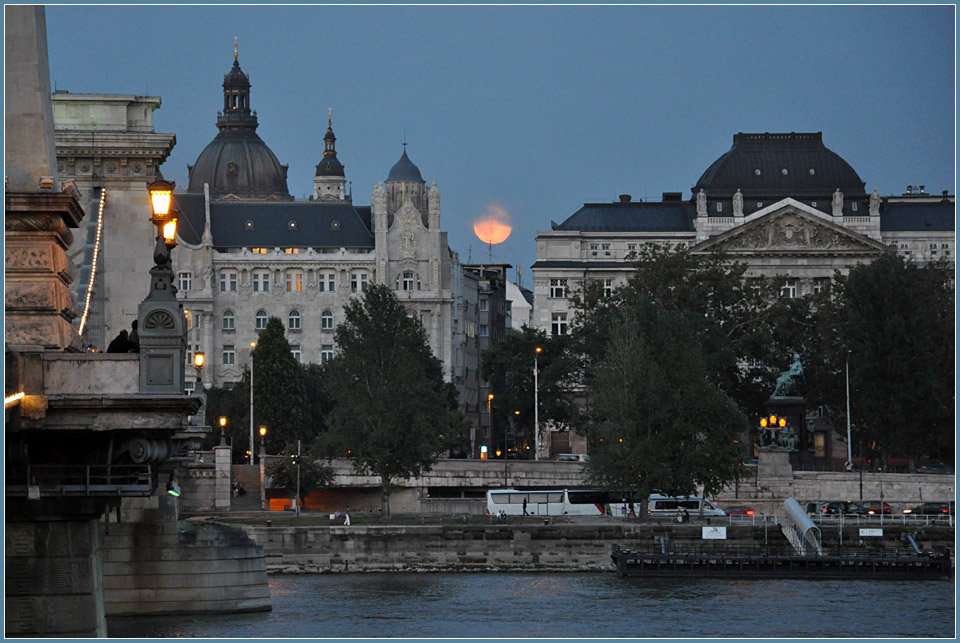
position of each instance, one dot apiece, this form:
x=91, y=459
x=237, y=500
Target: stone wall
x=181, y=568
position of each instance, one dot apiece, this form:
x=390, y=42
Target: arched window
x=261, y=320
x=229, y=321
x=293, y=320
x=326, y=320
x=408, y=281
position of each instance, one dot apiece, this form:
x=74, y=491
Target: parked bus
x=592, y=502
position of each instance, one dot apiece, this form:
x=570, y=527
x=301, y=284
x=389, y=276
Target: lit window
x=261, y=281
x=358, y=282
x=229, y=356
x=229, y=321
x=558, y=288
x=295, y=350
x=291, y=251
x=326, y=320
x=184, y=281
x=260, y=320
x=293, y=320
x=228, y=281
x=559, y=325
x=326, y=353
x=294, y=282
x=258, y=251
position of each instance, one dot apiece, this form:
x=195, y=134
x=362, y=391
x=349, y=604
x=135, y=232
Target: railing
x=802, y=533
x=914, y=520
x=81, y=480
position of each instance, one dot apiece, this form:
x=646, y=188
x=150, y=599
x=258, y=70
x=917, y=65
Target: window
x=606, y=249
x=258, y=251
x=559, y=326
x=188, y=388
x=719, y=207
x=326, y=320
x=759, y=204
x=291, y=251
x=558, y=288
x=294, y=281
x=607, y=287
x=260, y=320
x=229, y=321
x=813, y=203
x=946, y=249
x=229, y=356
x=358, y=282
x=261, y=281
x=293, y=320
x=484, y=304
x=631, y=247
x=819, y=284
x=295, y=351
x=484, y=332
x=407, y=281
x=789, y=289
x=189, y=317
x=228, y=281
x=325, y=281
x=326, y=353
x=853, y=206
x=184, y=281
x=593, y=250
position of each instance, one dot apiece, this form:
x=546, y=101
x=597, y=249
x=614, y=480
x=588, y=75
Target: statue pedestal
x=774, y=462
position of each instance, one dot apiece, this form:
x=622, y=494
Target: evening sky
x=537, y=109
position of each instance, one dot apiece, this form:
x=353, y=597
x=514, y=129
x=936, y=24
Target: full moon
x=493, y=226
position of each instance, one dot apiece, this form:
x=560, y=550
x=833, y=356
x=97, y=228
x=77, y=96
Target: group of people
x=126, y=342
x=501, y=517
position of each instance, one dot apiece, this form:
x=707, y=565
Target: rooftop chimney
x=625, y=198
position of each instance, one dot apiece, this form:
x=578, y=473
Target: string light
x=93, y=266
x=10, y=400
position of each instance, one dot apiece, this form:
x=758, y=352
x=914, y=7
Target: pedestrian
x=120, y=343
x=679, y=515
x=346, y=520
x=686, y=516
x=236, y=488
x=134, y=337
x=525, y=506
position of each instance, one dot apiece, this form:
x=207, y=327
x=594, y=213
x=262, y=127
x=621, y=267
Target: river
x=604, y=605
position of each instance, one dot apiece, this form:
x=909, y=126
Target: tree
x=313, y=474
x=659, y=421
x=897, y=319
x=393, y=413
x=279, y=395
x=508, y=366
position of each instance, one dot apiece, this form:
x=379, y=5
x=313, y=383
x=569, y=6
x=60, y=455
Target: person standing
x=134, y=337
x=120, y=343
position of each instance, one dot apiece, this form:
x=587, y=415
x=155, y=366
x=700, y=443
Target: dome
x=404, y=170
x=330, y=165
x=238, y=162
x=780, y=165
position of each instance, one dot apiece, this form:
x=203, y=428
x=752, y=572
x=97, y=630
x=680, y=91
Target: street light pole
x=536, y=406
x=849, y=441
x=252, y=346
x=298, y=478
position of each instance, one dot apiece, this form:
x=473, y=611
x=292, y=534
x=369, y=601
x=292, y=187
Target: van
x=572, y=457
x=659, y=505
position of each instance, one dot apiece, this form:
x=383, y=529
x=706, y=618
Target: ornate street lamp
x=223, y=427
x=536, y=406
x=164, y=217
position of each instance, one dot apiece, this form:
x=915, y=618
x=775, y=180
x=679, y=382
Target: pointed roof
x=330, y=165
x=404, y=169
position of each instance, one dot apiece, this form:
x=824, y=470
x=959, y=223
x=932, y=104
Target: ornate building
x=783, y=204
x=248, y=251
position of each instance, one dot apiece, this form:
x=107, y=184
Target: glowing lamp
x=223, y=421
x=539, y=350
x=263, y=431
x=763, y=422
x=773, y=420
x=198, y=358
x=170, y=231
x=161, y=193
x=783, y=422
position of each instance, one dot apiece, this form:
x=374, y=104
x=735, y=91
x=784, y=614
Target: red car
x=874, y=508
x=739, y=510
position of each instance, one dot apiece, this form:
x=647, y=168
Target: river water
x=604, y=605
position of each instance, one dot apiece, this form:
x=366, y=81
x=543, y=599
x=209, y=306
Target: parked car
x=572, y=457
x=936, y=467
x=835, y=507
x=874, y=508
x=739, y=510
x=931, y=509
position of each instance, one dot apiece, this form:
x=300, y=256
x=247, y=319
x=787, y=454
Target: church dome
x=237, y=162
x=780, y=165
x=330, y=165
x=404, y=170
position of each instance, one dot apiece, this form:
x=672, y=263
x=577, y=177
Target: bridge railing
x=81, y=480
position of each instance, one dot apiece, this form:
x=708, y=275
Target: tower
x=329, y=184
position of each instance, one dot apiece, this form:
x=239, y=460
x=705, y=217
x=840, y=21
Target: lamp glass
x=263, y=430
x=160, y=201
x=763, y=422
x=170, y=230
x=223, y=421
x=198, y=359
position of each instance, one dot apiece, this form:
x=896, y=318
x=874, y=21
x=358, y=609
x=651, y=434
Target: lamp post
x=489, y=416
x=198, y=359
x=223, y=427
x=252, y=346
x=772, y=424
x=849, y=440
x=263, y=451
x=263, y=442
x=536, y=406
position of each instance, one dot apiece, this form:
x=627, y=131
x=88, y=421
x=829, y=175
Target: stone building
x=107, y=147
x=782, y=203
x=249, y=251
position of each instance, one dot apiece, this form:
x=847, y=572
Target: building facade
x=783, y=204
x=107, y=147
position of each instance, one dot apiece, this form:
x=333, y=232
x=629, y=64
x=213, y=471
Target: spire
x=236, y=97
x=330, y=141
x=234, y=47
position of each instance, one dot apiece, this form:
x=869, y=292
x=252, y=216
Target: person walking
x=525, y=507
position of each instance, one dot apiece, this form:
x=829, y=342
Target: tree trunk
x=385, y=496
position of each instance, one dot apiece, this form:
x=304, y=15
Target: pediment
x=790, y=229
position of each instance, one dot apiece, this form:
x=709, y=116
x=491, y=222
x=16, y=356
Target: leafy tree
x=897, y=320
x=659, y=422
x=279, y=395
x=393, y=413
x=313, y=474
x=232, y=403
x=508, y=366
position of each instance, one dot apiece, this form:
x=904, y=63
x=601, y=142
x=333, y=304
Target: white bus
x=572, y=502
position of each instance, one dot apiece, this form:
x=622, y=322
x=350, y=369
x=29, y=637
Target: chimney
x=625, y=198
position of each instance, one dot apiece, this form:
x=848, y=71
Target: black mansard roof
x=631, y=216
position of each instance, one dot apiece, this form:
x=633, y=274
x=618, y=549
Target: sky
x=534, y=110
